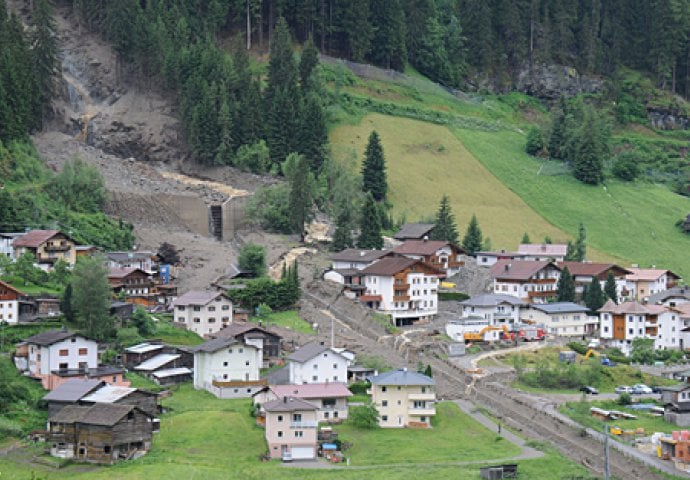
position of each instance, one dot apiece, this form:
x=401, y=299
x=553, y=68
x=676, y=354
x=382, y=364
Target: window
x=211, y=309
x=335, y=414
x=114, y=378
x=230, y=350
x=225, y=319
x=73, y=340
x=299, y=434
x=335, y=378
x=64, y=353
x=383, y=389
x=335, y=365
x=106, y=449
x=246, y=363
x=606, y=329
x=314, y=378
x=422, y=419
x=63, y=366
x=384, y=418
x=316, y=366
x=225, y=364
x=83, y=351
x=197, y=308
x=241, y=350
x=631, y=331
x=418, y=404
x=197, y=320
x=280, y=434
x=384, y=403
x=326, y=414
x=399, y=402
x=212, y=320
x=296, y=417
x=328, y=402
x=225, y=307
x=280, y=418
x=225, y=376
x=180, y=319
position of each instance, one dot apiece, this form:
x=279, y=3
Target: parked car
x=656, y=389
x=641, y=388
x=590, y=390
x=623, y=389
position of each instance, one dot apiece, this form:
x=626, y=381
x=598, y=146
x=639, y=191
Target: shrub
x=535, y=141
x=626, y=166
x=624, y=399
x=456, y=296
x=253, y=259
x=359, y=388
x=364, y=416
x=253, y=158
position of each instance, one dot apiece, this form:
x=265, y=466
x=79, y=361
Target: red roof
x=632, y=307
x=391, y=265
x=422, y=247
x=7, y=286
x=312, y=390
x=589, y=269
x=648, y=274
x=519, y=269
x=543, y=249
x=34, y=238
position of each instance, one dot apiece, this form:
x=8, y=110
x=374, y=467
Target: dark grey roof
x=279, y=377
x=414, y=231
x=50, y=337
x=309, y=351
x=73, y=390
x=214, y=345
x=289, y=405
x=561, y=307
x=121, y=257
x=196, y=297
x=359, y=255
x=491, y=300
x=675, y=292
x=240, y=328
x=402, y=377
x=107, y=414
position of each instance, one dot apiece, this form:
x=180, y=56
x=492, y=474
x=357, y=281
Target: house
x=316, y=363
x=671, y=297
x=414, y=231
x=6, y=241
x=101, y=433
x=10, y=298
x=122, y=311
x=252, y=334
x=32, y=309
x=550, y=252
x=167, y=368
x=86, y=250
x=621, y=324
x=530, y=280
x=643, y=282
x=360, y=373
x=497, y=310
x=356, y=258
x=437, y=254
x=227, y=368
x=204, y=313
x=70, y=392
x=676, y=402
x=330, y=398
x=489, y=259
x=141, y=352
x=47, y=247
x=403, y=288
x=584, y=272
x=56, y=356
x=564, y=319
x=403, y=399
x=141, y=260
x=291, y=426
x=136, y=284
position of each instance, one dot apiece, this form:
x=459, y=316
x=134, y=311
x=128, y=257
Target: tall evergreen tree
x=590, y=150
x=358, y=28
x=307, y=63
x=566, y=286
x=580, y=253
x=473, y=240
x=594, y=298
x=342, y=238
x=525, y=239
x=313, y=132
x=374, y=169
x=388, y=47
x=444, y=227
x=370, y=226
x=45, y=50
x=300, y=197
x=610, y=287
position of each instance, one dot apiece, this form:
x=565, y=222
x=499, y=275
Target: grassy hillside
x=426, y=160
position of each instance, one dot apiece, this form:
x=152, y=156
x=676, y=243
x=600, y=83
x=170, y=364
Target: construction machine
x=479, y=336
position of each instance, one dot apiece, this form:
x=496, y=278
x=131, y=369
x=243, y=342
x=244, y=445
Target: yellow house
x=403, y=399
x=47, y=246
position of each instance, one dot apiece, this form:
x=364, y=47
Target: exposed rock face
x=667, y=119
x=550, y=82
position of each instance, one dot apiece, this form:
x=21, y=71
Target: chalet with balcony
x=584, y=272
x=443, y=256
x=135, y=283
x=642, y=283
x=331, y=398
x=672, y=297
x=550, y=252
x=101, y=433
x=564, y=319
x=47, y=247
x=252, y=334
x=529, y=280
x=403, y=288
x=414, y=231
x=347, y=266
x=10, y=299
x=291, y=429
x=403, y=399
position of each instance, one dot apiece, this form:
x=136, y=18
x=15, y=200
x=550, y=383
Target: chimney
x=508, y=266
x=426, y=238
x=404, y=369
x=362, y=253
x=284, y=399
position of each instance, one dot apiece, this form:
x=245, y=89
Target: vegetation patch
x=287, y=319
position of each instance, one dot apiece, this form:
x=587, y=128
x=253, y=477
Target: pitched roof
x=402, y=377
x=34, y=238
x=632, y=307
x=309, y=351
x=491, y=300
x=390, y=266
x=359, y=255
x=7, y=286
x=560, y=307
x=196, y=297
x=144, y=347
x=281, y=376
x=73, y=390
x=121, y=257
x=414, y=230
x=50, y=337
x=214, y=345
x=543, y=249
x=108, y=394
x=154, y=363
x=647, y=274
x=235, y=329
x=590, y=269
x=106, y=414
x=123, y=272
x=171, y=372
x=675, y=292
x=421, y=247
x=518, y=269
x=288, y=405
x=312, y=390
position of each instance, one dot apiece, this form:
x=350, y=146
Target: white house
x=331, y=398
x=356, y=258
x=203, y=313
x=672, y=297
x=643, y=282
x=437, y=254
x=403, y=288
x=316, y=363
x=9, y=303
x=6, y=248
x=489, y=259
x=551, y=252
x=565, y=319
x=141, y=260
x=227, y=368
x=486, y=310
x=532, y=281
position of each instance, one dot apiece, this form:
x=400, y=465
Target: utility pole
x=606, y=451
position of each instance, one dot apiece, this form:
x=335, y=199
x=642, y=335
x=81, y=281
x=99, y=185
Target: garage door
x=302, y=453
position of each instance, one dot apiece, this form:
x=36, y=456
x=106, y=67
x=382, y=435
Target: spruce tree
x=595, y=298
x=610, y=287
x=566, y=286
x=590, y=149
x=388, y=47
x=313, y=133
x=342, y=238
x=472, y=241
x=580, y=252
x=45, y=50
x=444, y=227
x=570, y=252
x=300, y=199
x=370, y=226
x=374, y=169
x=525, y=239
x=307, y=63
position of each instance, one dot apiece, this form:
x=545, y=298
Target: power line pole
x=606, y=451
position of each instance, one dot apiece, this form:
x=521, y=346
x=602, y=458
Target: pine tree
x=342, y=238
x=590, y=148
x=374, y=169
x=595, y=296
x=525, y=239
x=580, y=251
x=370, y=226
x=566, y=286
x=444, y=227
x=226, y=147
x=313, y=133
x=45, y=50
x=472, y=241
x=357, y=28
x=300, y=197
x=307, y=63
x=66, y=304
x=557, y=136
x=535, y=141
x=388, y=47
x=610, y=287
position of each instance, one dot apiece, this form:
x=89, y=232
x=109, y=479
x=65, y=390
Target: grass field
x=206, y=438
x=579, y=411
x=287, y=319
x=168, y=333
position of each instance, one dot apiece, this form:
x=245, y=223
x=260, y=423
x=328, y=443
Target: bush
x=535, y=141
x=359, y=388
x=253, y=158
x=79, y=186
x=456, y=296
x=626, y=166
x=253, y=259
x=270, y=208
x=365, y=416
x=624, y=399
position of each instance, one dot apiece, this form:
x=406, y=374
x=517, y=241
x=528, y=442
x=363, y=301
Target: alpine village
x=328, y=239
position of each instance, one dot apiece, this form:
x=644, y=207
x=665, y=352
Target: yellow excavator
x=479, y=337
x=604, y=359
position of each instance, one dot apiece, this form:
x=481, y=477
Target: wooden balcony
x=401, y=298
x=240, y=383
x=57, y=248
x=543, y=294
x=457, y=264
x=543, y=281
x=401, y=286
